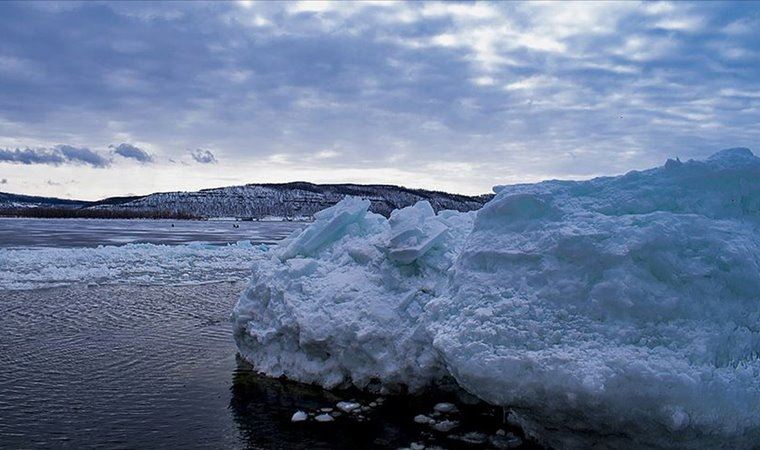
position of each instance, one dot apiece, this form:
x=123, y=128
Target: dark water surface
x=155, y=367
x=117, y=367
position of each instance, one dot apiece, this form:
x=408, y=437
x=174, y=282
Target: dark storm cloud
x=60, y=154
x=203, y=156
x=132, y=152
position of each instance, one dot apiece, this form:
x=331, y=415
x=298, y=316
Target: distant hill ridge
x=251, y=201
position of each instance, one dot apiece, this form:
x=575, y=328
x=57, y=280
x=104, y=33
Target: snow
x=290, y=201
x=622, y=310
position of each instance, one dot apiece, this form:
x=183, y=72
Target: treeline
x=81, y=213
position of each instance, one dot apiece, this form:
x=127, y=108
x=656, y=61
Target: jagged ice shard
x=620, y=311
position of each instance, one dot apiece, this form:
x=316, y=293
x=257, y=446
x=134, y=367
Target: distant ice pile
x=622, y=311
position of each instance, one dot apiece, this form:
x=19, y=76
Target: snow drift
x=621, y=311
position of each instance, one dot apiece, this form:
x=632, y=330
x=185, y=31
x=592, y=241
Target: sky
x=104, y=99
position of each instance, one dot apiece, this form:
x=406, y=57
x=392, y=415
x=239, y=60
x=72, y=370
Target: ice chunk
x=324, y=418
x=299, y=416
x=333, y=317
x=414, y=231
x=445, y=407
x=348, y=406
x=621, y=310
x=423, y=419
x=473, y=437
x=505, y=441
x=328, y=226
x=445, y=425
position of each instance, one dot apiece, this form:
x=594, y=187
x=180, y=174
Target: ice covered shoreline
x=621, y=311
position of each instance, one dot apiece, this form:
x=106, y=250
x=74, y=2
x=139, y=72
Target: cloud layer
x=455, y=96
x=132, y=152
x=203, y=156
x=60, y=154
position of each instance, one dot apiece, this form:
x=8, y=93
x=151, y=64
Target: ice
x=629, y=303
x=324, y=313
x=445, y=407
x=445, y=425
x=620, y=311
x=131, y=263
x=299, y=416
x=423, y=419
x=348, y=406
x=324, y=418
x=328, y=226
x=414, y=231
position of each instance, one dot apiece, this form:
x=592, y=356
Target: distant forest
x=81, y=213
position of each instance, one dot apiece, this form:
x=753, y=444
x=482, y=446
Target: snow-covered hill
x=8, y=200
x=297, y=200
x=293, y=200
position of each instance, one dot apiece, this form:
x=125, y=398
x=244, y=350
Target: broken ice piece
x=299, y=416
x=324, y=418
x=423, y=419
x=474, y=437
x=445, y=425
x=506, y=441
x=348, y=406
x=445, y=407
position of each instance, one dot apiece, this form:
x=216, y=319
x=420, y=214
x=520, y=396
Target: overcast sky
x=101, y=99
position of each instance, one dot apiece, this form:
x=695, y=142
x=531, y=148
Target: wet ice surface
x=155, y=367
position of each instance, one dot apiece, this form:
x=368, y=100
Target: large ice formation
x=621, y=311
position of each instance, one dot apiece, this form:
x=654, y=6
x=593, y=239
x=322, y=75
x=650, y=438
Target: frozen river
x=66, y=233
x=42, y=253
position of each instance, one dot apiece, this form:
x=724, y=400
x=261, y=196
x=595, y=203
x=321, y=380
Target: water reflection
x=262, y=408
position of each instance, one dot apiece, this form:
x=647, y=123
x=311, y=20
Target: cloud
x=529, y=90
x=56, y=156
x=203, y=156
x=132, y=152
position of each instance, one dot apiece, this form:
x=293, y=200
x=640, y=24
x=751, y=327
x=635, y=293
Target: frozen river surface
x=24, y=233
x=43, y=253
